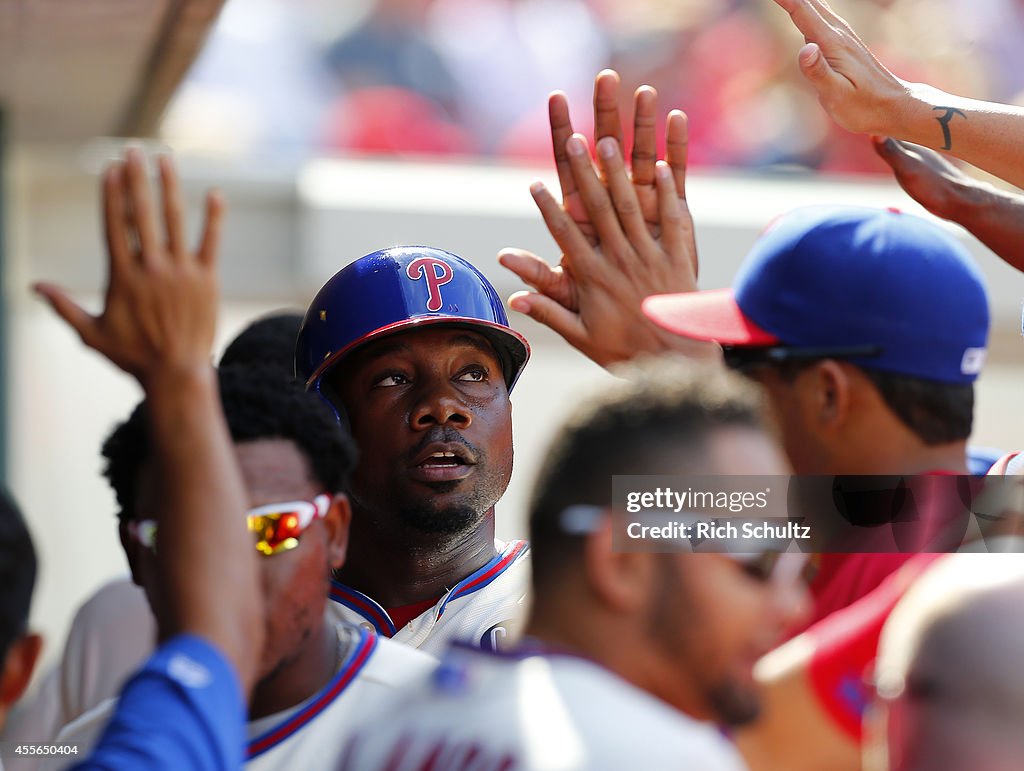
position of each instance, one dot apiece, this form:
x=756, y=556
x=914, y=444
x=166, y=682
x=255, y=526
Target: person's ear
x=337, y=522
x=18, y=666
x=828, y=386
x=131, y=548
x=619, y=579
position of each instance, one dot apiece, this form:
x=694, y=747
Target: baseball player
x=412, y=347
x=885, y=332
x=315, y=677
x=869, y=363
x=113, y=631
x=19, y=649
x=962, y=714
x=630, y=656
x=183, y=708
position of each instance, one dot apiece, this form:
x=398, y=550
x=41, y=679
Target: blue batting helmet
x=403, y=287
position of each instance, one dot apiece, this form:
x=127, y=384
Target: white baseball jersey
x=485, y=609
x=312, y=735
x=502, y=712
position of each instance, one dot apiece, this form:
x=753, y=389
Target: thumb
x=894, y=153
x=76, y=317
x=535, y=272
x=886, y=147
x=813, y=65
x=546, y=311
x=530, y=268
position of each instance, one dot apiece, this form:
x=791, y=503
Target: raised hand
x=608, y=123
x=995, y=217
x=593, y=297
x=854, y=87
x=160, y=309
x=926, y=176
x=157, y=324
x=863, y=96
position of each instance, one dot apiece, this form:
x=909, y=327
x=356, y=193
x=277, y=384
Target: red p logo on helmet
x=427, y=269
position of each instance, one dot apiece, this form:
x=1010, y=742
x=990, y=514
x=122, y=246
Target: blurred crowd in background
x=448, y=78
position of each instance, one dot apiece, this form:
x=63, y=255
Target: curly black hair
x=268, y=340
x=260, y=402
x=17, y=573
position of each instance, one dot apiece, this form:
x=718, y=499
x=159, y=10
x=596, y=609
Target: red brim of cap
x=709, y=315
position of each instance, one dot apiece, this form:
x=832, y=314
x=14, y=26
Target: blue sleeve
x=981, y=459
x=183, y=710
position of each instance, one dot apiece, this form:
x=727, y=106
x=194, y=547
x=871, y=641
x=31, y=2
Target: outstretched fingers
x=607, y=121
x=595, y=196
x=677, y=144
x=115, y=218
x=645, y=146
x=677, y=236
x=209, y=244
x=142, y=218
x=76, y=317
x=623, y=194
x=174, y=217
x=561, y=226
x=535, y=272
x=561, y=130
x=808, y=18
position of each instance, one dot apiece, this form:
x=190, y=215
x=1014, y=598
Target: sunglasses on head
x=277, y=526
x=742, y=358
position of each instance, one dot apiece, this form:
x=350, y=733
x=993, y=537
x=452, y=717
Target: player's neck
x=614, y=643
x=304, y=672
x=594, y=635
x=880, y=444
x=911, y=458
x=943, y=457
x=412, y=567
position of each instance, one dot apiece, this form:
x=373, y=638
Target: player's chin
x=272, y=663
x=735, y=702
x=443, y=515
x=445, y=487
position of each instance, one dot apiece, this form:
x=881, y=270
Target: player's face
x=718, y=616
x=294, y=582
x=794, y=409
x=430, y=413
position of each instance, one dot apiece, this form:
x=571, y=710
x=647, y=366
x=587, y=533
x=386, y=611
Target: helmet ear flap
x=329, y=394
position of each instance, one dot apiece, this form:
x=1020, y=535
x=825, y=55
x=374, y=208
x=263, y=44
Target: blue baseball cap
x=881, y=289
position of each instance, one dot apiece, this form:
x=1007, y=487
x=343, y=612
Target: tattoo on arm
x=944, y=119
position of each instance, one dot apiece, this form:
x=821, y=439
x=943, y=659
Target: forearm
x=985, y=134
x=215, y=592
x=995, y=217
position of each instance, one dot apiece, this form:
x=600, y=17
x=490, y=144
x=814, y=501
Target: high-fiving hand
x=161, y=300
x=623, y=237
